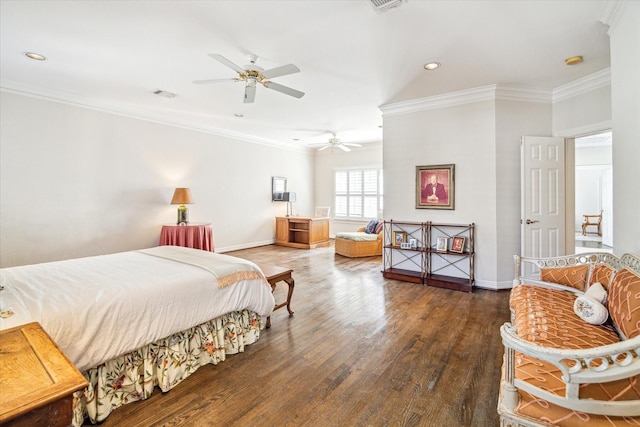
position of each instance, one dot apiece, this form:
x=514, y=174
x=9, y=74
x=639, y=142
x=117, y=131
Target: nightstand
x=37, y=381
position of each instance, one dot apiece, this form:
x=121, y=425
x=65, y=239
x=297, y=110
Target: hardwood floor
x=360, y=350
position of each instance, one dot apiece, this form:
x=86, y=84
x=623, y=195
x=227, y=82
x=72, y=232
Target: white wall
x=624, y=35
x=77, y=182
x=463, y=135
x=482, y=139
x=327, y=162
x=514, y=119
x=583, y=107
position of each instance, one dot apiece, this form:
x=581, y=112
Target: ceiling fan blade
x=206, y=82
x=351, y=144
x=323, y=148
x=280, y=71
x=249, y=94
x=226, y=62
x=283, y=89
x=343, y=147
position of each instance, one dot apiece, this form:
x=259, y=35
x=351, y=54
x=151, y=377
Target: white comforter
x=100, y=307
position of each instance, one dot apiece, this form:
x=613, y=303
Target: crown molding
x=468, y=96
x=584, y=130
x=582, y=85
x=523, y=94
x=611, y=12
x=79, y=102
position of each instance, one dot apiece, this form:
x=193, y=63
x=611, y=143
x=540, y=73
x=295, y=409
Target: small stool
x=275, y=274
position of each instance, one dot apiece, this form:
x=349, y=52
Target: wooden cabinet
x=433, y=259
x=302, y=232
x=37, y=381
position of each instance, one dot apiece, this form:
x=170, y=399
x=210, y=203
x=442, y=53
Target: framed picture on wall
x=435, y=187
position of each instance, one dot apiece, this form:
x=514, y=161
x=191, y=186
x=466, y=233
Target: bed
x=134, y=320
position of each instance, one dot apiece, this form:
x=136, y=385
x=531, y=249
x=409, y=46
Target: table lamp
x=289, y=197
x=182, y=197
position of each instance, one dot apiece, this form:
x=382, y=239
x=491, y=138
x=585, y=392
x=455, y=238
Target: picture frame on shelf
x=413, y=243
x=405, y=245
x=442, y=243
x=399, y=237
x=435, y=187
x=457, y=244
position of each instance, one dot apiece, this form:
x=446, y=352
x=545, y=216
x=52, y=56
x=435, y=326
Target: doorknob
x=531, y=222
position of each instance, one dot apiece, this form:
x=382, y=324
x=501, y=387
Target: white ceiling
x=114, y=54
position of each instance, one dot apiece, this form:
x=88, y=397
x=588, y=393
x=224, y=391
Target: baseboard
x=244, y=246
x=493, y=286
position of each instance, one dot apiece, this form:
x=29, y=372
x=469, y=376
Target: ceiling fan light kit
x=253, y=74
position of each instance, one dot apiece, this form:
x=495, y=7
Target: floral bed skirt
x=164, y=363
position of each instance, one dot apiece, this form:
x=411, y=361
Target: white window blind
x=358, y=193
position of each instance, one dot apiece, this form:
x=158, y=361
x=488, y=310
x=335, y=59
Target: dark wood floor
x=359, y=351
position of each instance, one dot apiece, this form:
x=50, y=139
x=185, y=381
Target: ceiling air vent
x=385, y=5
x=164, y=93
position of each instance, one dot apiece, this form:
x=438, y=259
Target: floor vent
x=385, y=5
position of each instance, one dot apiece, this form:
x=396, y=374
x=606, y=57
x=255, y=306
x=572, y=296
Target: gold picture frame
x=435, y=187
x=399, y=237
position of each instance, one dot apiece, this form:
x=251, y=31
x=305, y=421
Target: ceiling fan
x=335, y=142
x=253, y=74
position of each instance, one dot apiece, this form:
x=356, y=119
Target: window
x=358, y=193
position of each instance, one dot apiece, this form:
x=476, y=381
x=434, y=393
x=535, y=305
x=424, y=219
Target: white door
x=542, y=196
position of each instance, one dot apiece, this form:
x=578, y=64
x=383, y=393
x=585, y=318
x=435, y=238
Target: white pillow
x=590, y=310
x=597, y=292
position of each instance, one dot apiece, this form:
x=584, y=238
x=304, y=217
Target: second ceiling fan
x=253, y=74
x=335, y=142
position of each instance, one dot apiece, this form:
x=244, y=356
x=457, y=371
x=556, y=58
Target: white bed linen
x=100, y=307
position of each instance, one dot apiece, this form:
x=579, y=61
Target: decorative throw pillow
x=597, y=292
x=590, y=311
x=576, y=276
x=602, y=273
x=379, y=227
x=623, y=302
x=371, y=226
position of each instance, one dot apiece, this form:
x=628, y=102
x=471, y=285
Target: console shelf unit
x=424, y=263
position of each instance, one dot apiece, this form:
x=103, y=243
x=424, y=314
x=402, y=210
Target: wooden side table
x=275, y=274
x=37, y=381
x=195, y=235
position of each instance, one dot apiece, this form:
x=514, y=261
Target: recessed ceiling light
x=573, y=60
x=239, y=115
x=35, y=56
x=431, y=66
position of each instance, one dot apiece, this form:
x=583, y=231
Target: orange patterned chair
x=561, y=370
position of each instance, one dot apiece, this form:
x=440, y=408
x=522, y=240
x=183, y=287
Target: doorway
x=593, y=192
